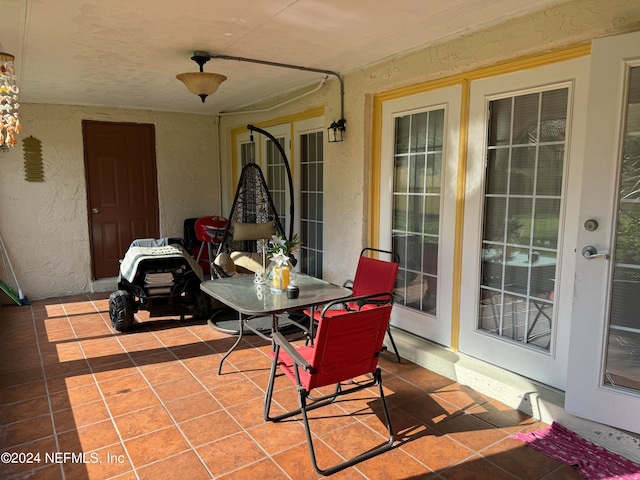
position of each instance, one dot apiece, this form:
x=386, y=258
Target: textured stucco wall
x=347, y=163
x=44, y=224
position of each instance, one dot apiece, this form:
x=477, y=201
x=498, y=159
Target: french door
x=417, y=208
x=523, y=169
x=604, y=362
x=305, y=153
x=308, y=183
x=550, y=284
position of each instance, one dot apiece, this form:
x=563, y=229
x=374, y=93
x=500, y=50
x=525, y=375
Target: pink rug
x=592, y=461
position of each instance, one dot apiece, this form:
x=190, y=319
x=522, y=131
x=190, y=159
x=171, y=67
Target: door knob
x=95, y=210
x=590, y=252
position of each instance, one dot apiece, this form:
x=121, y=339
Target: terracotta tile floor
x=82, y=402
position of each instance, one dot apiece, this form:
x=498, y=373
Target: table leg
x=243, y=323
x=540, y=306
x=233, y=347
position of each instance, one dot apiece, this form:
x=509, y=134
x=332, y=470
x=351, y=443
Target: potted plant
x=282, y=253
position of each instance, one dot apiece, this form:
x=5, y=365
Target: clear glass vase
x=280, y=275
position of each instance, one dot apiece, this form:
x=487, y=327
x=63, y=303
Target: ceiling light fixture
x=201, y=83
x=9, y=121
x=337, y=127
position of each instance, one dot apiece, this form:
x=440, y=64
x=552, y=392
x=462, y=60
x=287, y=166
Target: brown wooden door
x=121, y=188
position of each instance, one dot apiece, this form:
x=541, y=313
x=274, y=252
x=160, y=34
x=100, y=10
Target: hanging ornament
x=33, y=168
x=9, y=120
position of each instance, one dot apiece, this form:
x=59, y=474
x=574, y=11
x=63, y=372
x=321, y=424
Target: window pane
x=399, y=242
x=401, y=176
x=498, y=170
x=522, y=171
x=318, y=173
x=492, y=267
x=430, y=262
x=418, y=132
x=247, y=153
x=500, y=122
x=399, y=221
x=415, y=213
x=519, y=221
x=434, y=172
x=319, y=207
x=305, y=177
x=414, y=252
x=311, y=209
x=545, y=225
x=554, y=104
x=402, y=134
x=494, y=219
x=550, y=167
x=276, y=181
x=436, y=130
x=523, y=188
x=311, y=148
x=432, y=215
x=417, y=184
x=417, y=170
x=525, y=117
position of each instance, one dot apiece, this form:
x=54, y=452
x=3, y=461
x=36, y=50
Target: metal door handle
x=590, y=252
x=95, y=210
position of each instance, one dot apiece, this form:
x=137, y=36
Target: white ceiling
x=126, y=53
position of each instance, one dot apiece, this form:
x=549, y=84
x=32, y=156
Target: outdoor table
x=253, y=300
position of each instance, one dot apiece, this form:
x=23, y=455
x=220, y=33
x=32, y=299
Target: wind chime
x=9, y=121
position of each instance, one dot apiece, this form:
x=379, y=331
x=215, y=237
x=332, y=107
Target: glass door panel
x=276, y=177
x=622, y=365
x=416, y=207
x=259, y=149
x=311, y=194
x=525, y=156
x=247, y=153
x=418, y=177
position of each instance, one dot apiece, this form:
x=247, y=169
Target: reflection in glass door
x=419, y=153
x=277, y=179
x=417, y=180
x=259, y=149
x=523, y=194
x=247, y=153
x=622, y=368
x=311, y=196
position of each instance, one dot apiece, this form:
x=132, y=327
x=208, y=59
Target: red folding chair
x=346, y=347
x=372, y=275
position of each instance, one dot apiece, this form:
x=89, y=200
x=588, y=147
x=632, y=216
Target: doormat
x=592, y=461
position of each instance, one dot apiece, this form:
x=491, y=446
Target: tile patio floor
x=148, y=404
